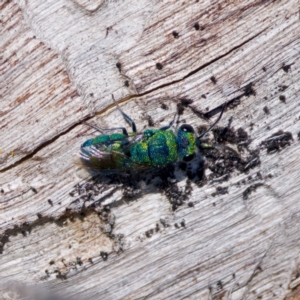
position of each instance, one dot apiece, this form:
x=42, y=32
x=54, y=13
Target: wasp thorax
x=186, y=141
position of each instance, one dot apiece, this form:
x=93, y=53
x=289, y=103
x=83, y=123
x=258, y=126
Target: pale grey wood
x=58, y=67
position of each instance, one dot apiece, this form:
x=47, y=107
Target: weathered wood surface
x=58, y=68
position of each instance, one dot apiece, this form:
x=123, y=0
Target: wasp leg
x=128, y=120
x=124, y=131
x=93, y=126
x=170, y=124
x=125, y=116
x=214, y=124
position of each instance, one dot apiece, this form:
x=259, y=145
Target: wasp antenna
x=113, y=97
x=213, y=125
x=126, y=117
x=93, y=126
x=170, y=124
x=118, y=106
x=115, y=102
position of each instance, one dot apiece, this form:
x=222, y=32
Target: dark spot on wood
x=72, y=194
x=196, y=26
x=51, y=262
x=107, y=208
x=119, y=66
x=264, y=69
x=91, y=94
x=186, y=102
x=188, y=187
x=175, y=34
x=79, y=261
x=180, y=109
x=213, y=79
x=164, y=106
x=39, y=215
x=220, y=191
x=108, y=29
x=126, y=83
x=199, y=113
x=164, y=223
x=182, y=223
x=50, y=202
x=228, y=134
x=190, y=204
x=248, y=90
x=259, y=269
x=159, y=66
x=282, y=88
x=203, y=96
x=250, y=189
x=157, y=228
x=220, y=284
x=286, y=68
x=2, y=191
x=282, y=98
x=242, y=134
x=299, y=135
x=91, y=260
x=149, y=233
x=277, y=141
x=104, y=255
x=34, y=189
x=60, y=275
x=266, y=110
x=150, y=121
x=231, y=159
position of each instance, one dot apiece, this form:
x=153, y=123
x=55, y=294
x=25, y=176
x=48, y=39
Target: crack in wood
x=130, y=97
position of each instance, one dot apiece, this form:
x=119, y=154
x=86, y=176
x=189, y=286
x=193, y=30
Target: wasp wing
x=103, y=158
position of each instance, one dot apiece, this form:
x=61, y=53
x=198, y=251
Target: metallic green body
x=157, y=148
x=151, y=148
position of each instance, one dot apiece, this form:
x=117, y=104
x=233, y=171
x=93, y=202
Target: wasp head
x=186, y=141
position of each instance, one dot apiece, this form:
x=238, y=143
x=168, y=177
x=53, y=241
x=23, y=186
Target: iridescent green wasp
x=140, y=150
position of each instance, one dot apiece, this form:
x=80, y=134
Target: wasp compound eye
x=187, y=128
x=188, y=157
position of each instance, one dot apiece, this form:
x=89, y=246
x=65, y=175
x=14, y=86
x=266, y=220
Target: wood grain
x=59, y=67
